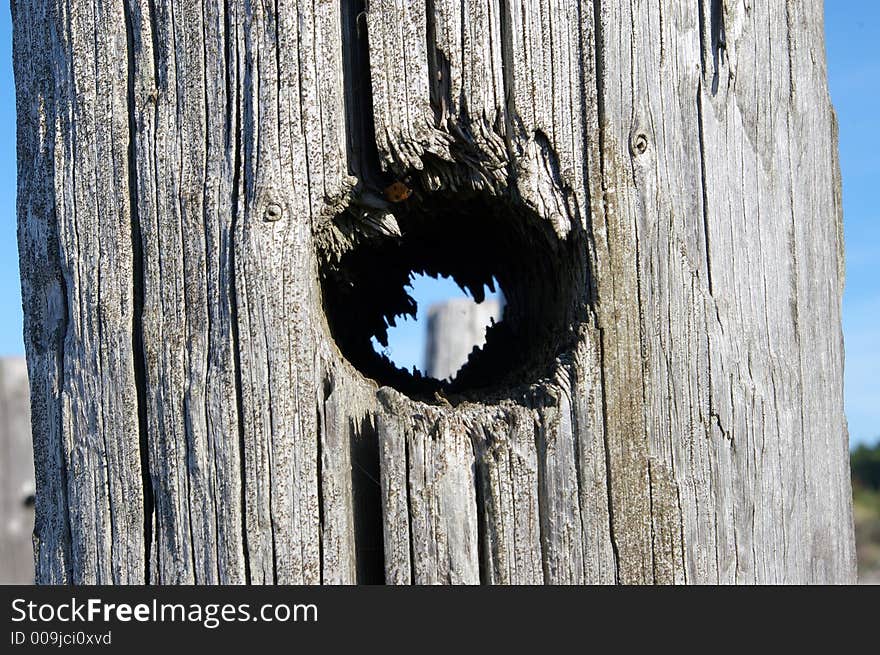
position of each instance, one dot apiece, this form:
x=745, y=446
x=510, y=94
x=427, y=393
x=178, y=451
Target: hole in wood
x=480, y=242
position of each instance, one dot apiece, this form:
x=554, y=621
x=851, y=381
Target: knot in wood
x=639, y=144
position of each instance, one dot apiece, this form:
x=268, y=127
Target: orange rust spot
x=397, y=192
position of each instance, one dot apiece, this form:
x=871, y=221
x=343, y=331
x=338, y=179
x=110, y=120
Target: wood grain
x=185, y=167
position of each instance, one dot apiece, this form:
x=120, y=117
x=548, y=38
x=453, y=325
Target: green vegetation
x=865, y=463
x=866, y=466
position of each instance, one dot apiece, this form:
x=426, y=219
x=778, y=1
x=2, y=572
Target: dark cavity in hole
x=472, y=238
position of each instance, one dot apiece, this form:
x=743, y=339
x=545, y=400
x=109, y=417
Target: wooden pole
x=220, y=204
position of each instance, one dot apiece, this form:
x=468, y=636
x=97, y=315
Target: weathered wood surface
x=16, y=475
x=183, y=166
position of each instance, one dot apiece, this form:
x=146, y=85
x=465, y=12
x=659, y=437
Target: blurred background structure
x=16, y=474
x=455, y=328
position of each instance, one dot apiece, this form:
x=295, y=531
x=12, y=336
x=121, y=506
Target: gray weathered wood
x=187, y=167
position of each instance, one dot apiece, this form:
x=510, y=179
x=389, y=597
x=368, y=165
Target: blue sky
x=854, y=76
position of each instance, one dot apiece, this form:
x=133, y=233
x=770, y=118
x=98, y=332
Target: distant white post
x=455, y=328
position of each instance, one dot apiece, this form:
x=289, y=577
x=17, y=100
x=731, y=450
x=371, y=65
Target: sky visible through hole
x=407, y=341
